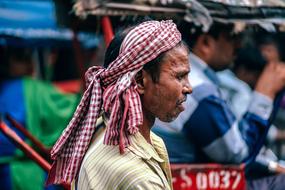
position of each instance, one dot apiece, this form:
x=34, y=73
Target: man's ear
x=141, y=79
x=205, y=45
x=206, y=40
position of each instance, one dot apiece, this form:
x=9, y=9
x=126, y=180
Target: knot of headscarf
x=112, y=90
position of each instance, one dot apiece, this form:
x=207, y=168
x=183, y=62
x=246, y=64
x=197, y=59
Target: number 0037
x=218, y=180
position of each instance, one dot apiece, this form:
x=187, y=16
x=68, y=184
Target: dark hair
x=250, y=58
x=21, y=54
x=7, y=54
x=113, y=49
x=190, y=32
x=152, y=67
x=264, y=39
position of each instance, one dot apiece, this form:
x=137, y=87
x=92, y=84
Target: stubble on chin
x=170, y=118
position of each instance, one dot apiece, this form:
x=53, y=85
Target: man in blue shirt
x=208, y=130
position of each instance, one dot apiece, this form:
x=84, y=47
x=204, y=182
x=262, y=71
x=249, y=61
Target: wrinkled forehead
x=177, y=58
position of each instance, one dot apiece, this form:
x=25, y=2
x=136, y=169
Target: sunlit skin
x=163, y=99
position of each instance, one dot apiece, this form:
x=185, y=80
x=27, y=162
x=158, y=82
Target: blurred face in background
x=20, y=61
x=222, y=52
x=270, y=52
x=20, y=68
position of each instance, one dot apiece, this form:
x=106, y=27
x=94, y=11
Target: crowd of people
x=174, y=94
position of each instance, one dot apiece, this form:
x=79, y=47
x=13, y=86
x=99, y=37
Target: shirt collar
x=143, y=149
x=197, y=61
x=202, y=65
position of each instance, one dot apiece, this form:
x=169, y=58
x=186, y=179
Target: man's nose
x=187, y=88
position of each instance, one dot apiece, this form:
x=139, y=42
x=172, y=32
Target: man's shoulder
x=156, y=138
x=104, y=167
x=108, y=156
x=202, y=85
x=123, y=170
x=197, y=77
x=205, y=90
x=107, y=159
x=230, y=81
x=157, y=142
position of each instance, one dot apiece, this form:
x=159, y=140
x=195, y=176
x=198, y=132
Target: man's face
x=164, y=98
x=223, y=51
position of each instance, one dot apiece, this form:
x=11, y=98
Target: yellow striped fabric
x=142, y=166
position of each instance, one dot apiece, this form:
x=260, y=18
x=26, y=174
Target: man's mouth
x=181, y=101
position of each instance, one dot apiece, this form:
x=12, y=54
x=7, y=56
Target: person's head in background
x=16, y=62
x=269, y=47
x=215, y=47
x=249, y=64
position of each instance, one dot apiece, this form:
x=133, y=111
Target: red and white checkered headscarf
x=114, y=90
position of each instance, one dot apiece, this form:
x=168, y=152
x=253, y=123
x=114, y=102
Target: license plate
x=207, y=176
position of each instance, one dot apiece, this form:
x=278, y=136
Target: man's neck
x=146, y=134
x=201, y=55
x=148, y=121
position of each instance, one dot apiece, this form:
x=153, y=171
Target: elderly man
x=147, y=77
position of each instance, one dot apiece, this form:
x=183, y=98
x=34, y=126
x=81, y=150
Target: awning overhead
x=201, y=12
x=27, y=14
x=33, y=23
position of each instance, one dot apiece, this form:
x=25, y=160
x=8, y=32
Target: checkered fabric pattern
x=112, y=90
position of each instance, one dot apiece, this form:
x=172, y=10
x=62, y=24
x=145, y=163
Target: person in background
x=146, y=77
x=271, y=49
x=39, y=107
x=209, y=131
x=236, y=87
x=248, y=67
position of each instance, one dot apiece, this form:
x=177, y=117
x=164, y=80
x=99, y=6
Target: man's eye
x=180, y=77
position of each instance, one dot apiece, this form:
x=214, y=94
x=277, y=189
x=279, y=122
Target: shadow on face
x=223, y=50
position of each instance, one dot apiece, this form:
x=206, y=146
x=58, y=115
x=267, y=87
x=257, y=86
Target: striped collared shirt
x=142, y=166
